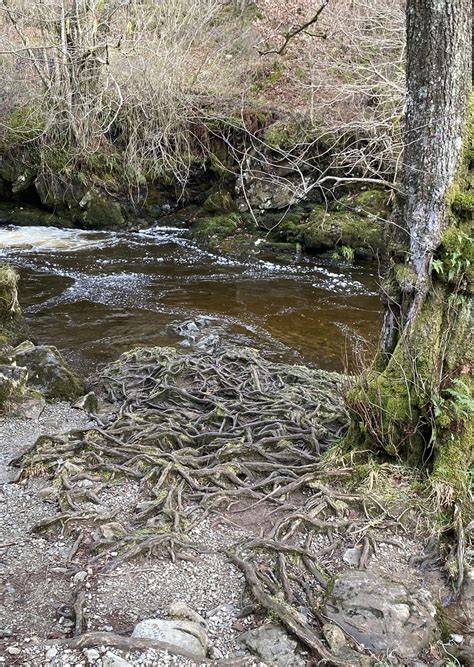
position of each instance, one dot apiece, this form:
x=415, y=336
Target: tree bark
x=416, y=401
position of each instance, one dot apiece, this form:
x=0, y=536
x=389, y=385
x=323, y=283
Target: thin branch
x=303, y=28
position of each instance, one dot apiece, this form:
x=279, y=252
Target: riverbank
x=270, y=566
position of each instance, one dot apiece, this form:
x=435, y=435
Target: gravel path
x=35, y=575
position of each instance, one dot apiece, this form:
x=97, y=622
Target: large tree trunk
x=417, y=400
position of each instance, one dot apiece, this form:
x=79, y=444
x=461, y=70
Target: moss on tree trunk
x=417, y=400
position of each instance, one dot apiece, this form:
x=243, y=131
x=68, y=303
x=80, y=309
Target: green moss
x=103, y=214
x=327, y=230
x=405, y=277
x=276, y=73
x=452, y=467
x=219, y=202
x=215, y=228
x=455, y=256
x=374, y=202
x=395, y=405
x=24, y=124
x=283, y=134
x=9, y=306
x=463, y=202
x=461, y=194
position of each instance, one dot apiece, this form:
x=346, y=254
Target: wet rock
x=187, y=635
x=272, y=644
x=48, y=371
x=381, y=613
x=269, y=194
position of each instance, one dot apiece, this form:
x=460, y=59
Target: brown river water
x=97, y=294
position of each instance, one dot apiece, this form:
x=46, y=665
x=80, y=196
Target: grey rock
x=88, y=402
x=91, y=654
x=381, y=613
x=30, y=408
x=47, y=371
x=465, y=654
x=272, y=644
x=185, y=634
x=352, y=556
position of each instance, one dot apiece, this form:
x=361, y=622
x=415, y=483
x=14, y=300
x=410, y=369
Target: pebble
x=14, y=650
x=51, y=653
x=91, y=654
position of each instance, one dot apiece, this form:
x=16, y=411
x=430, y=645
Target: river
x=97, y=294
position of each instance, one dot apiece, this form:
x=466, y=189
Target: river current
x=97, y=294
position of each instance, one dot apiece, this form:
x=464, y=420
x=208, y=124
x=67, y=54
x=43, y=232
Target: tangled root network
x=203, y=433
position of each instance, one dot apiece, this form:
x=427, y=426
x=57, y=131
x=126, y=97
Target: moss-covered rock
x=48, y=372
x=366, y=203
x=215, y=228
x=284, y=134
x=102, y=213
x=326, y=230
x=220, y=202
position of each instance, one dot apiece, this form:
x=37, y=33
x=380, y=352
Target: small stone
x=238, y=626
x=334, y=637
x=13, y=650
x=457, y=639
x=112, y=660
x=273, y=644
x=352, y=556
x=51, y=653
x=91, y=654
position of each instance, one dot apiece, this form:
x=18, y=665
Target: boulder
x=187, y=635
x=382, y=613
x=48, y=371
x=273, y=644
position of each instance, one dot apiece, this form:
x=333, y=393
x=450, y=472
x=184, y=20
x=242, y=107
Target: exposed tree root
x=91, y=639
x=199, y=433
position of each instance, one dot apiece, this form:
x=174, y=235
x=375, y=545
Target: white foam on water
x=50, y=239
